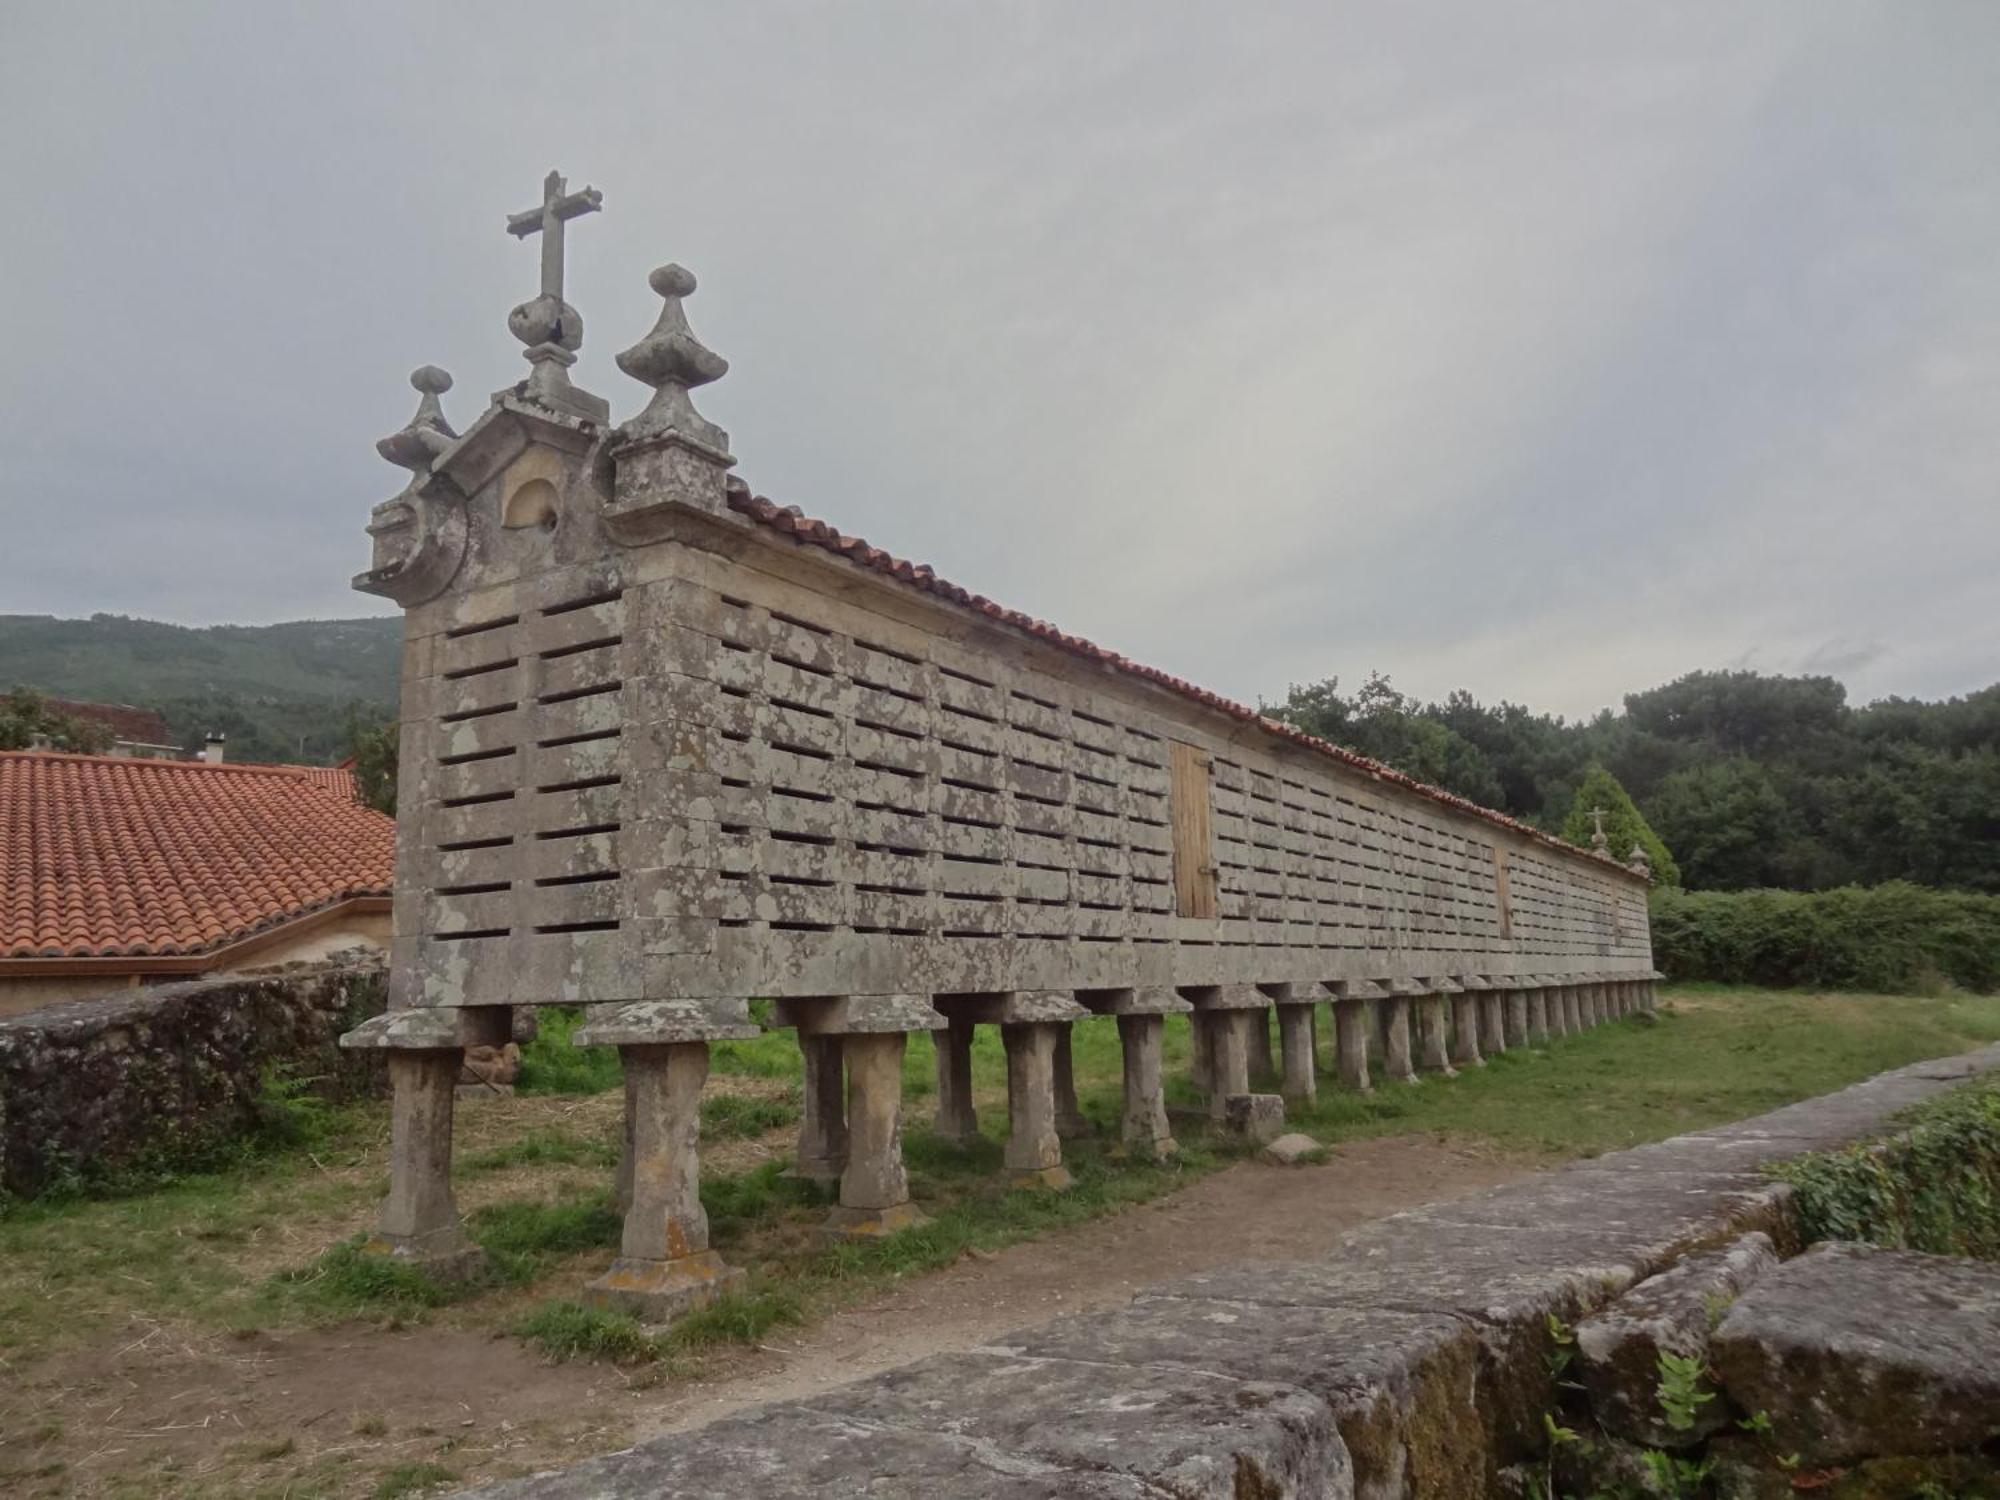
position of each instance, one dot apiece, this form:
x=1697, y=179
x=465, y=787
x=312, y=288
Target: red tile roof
x=103, y=856
x=140, y=726
x=801, y=528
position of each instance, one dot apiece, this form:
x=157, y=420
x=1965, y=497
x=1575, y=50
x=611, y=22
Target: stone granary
x=668, y=747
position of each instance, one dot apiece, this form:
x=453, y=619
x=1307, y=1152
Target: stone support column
x=1540, y=1025
x=1465, y=1030
x=1257, y=1039
x=1070, y=1122
x=957, y=1121
x=1201, y=1052
x=1396, y=1064
x=665, y=1267
x=1295, y=1045
x=1229, y=1041
x=1435, y=1055
x=1351, y=1028
x=874, y=1188
x=822, y=1110
x=1572, y=1010
x=1516, y=1002
x=1143, y=1129
x=1034, y=1148
x=419, y=1222
x=1493, y=1022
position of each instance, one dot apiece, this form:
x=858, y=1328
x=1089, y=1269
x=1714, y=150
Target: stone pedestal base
x=448, y=1257
x=1256, y=1117
x=660, y=1291
x=846, y=1223
x=1053, y=1179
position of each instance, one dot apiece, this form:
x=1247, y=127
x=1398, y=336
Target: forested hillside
x=279, y=692
x=1750, y=780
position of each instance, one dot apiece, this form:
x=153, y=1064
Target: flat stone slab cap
x=1855, y=1351
x=639, y=1023
x=1145, y=1000
x=1226, y=996
x=1279, y=993
x=1012, y=1007
x=845, y=1015
x=789, y=1453
x=1475, y=982
x=1290, y=1150
x=1357, y=989
x=1444, y=984
x=1618, y=1350
x=1405, y=987
x=426, y=1028
x=1189, y=1433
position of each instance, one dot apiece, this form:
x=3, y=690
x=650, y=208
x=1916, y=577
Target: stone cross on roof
x=1597, y=839
x=549, y=326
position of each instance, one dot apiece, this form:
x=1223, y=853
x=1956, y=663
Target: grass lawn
x=242, y=1248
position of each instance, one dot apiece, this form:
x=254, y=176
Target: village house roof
x=104, y=857
x=138, y=726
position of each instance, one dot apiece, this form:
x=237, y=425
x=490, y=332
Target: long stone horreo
x=667, y=747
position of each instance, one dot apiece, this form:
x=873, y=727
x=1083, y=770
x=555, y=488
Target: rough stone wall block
x=957, y=1121
x=1143, y=1130
x=665, y=1268
x=874, y=1188
x=1034, y=1146
x=823, y=1110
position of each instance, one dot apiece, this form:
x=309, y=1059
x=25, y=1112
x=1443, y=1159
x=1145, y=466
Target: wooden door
x=1194, y=832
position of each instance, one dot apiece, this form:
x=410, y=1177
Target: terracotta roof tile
x=793, y=522
x=102, y=856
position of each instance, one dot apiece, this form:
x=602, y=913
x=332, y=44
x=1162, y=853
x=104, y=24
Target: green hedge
x=1885, y=939
x=1935, y=1188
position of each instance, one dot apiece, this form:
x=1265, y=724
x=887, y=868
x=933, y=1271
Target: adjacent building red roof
x=802, y=528
x=139, y=726
x=107, y=856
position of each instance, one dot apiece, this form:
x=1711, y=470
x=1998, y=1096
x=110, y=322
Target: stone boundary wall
x=163, y=1073
x=1414, y=1360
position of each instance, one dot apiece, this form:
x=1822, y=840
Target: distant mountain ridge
x=280, y=692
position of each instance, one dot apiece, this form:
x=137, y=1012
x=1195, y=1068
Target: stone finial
x=673, y=362
x=1640, y=861
x=669, y=455
x=1598, y=841
x=549, y=326
x=419, y=442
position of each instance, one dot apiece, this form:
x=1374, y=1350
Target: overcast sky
x=1546, y=350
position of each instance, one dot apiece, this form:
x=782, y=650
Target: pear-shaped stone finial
x=673, y=361
x=419, y=442
x=1639, y=860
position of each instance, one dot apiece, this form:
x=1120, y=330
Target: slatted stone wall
x=681, y=772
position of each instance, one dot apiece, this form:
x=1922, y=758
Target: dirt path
x=163, y=1410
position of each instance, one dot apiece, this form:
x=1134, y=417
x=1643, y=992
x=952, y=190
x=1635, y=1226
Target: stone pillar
x=621, y=1189
x=1539, y=1023
x=1572, y=1011
x=664, y=1267
x=1435, y=1056
x=419, y=1221
x=1396, y=1064
x=1201, y=1052
x=1350, y=1025
x=874, y=1188
x=1229, y=1042
x=1517, y=1017
x=1295, y=1045
x=1493, y=1022
x=1144, y=1129
x=957, y=1121
x=1034, y=1149
x=1465, y=1030
x=822, y=1110
x=1070, y=1122
x=1258, y=1036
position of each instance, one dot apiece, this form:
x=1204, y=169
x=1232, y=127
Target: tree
x=28, y=721
x=373, y=748
x=1623, y=825
x=1731, y=825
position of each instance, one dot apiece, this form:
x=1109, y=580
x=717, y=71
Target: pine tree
x=1623, y=825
